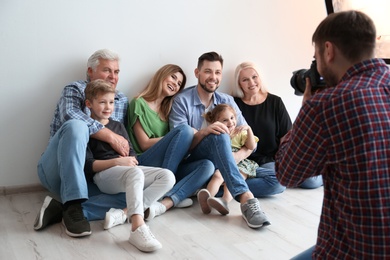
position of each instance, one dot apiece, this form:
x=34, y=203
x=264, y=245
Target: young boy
x=113, y=173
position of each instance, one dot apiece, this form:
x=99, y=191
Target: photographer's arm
x=307, y=94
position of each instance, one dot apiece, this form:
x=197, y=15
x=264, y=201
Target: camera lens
x=298, y=81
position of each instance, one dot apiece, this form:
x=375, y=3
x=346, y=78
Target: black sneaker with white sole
x=76, y=225
x=50, y=213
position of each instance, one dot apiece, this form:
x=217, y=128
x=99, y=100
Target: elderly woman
x=266, y=114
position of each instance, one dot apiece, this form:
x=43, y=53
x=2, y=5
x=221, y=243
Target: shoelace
x=76, y=213
x=147, y=234
x=255, y=207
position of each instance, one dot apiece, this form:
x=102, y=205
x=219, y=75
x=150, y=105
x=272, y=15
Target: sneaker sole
x=39, y=223
x=202, y=199
x=215, y=204
x=151, y=249
x=266, y=223
x=83, y=234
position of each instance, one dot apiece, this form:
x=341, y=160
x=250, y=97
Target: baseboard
x=9, y=190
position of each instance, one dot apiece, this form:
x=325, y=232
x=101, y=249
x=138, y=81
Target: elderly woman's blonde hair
x=237, y=90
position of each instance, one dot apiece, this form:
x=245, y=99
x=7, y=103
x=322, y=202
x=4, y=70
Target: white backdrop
x=45, y=44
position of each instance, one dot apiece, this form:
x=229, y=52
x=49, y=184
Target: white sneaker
x=156, y=209
x=185, y=203
x=143, y=239
x=114, y=217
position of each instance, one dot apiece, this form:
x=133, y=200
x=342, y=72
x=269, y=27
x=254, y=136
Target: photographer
x=343, y=133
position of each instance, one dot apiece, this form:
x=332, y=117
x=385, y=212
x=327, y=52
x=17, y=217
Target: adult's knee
x=185, y=129
x=75, y=129
x=185, y=134
x=312, y=183
x=221, y=141
x=208, y=167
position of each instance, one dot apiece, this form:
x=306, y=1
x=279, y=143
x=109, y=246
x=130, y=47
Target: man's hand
x=217, y=128
x=307, y=94
x=117, y=142
x=120, y=144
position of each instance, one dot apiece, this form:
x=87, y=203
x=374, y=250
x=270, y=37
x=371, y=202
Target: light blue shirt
x=188, y=109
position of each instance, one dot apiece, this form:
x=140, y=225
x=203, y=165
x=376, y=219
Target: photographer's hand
x=307, y=94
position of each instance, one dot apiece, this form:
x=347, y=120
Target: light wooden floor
x=184, y=233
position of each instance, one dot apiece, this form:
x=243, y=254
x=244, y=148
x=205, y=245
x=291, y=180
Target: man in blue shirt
x=213, y=141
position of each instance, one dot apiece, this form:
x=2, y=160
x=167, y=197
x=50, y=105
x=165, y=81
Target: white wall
x=45, y=44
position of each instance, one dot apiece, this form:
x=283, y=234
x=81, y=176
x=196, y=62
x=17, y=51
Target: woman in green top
x=156, y=146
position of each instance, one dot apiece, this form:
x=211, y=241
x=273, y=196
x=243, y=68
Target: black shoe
x=76, y=225
x=50, y=213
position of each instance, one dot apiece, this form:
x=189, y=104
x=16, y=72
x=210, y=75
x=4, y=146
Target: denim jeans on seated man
x=217, y=149
x=63, y=175
x=309, y=183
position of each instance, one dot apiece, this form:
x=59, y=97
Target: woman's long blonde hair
x=154, y=88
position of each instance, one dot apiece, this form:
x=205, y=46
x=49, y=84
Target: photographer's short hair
x=353, y=32
x=104, y=54
x=209, y=56
x=97, y=87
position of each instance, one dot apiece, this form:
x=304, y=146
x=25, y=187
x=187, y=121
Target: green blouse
x=149, y=119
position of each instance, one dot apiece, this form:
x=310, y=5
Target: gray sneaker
x=219, y=204
x=253, y=215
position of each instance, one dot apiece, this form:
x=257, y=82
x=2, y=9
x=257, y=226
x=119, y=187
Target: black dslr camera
x=298, y=79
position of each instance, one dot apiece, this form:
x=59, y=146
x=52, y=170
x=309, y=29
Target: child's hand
x=239, y=129
x=126, y=161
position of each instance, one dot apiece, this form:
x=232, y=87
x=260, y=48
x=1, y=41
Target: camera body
x=298, y=79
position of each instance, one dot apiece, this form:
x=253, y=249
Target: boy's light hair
x=96, y=87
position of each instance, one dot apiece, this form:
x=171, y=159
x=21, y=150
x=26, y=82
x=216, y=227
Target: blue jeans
x=312, y=182
x=305, y=255
x=309, y=183
x=170, y=150
x=190, y=177
x=61, y=166
x=99, y=203
x=216, y=148
x=265, y=183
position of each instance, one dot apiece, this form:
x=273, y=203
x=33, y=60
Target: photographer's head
x=341, y=40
